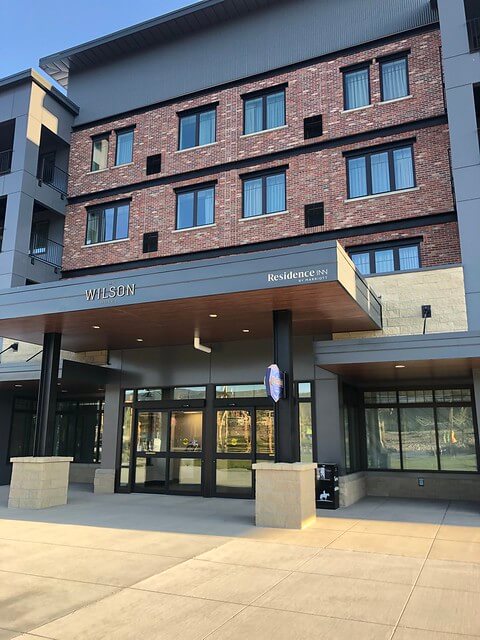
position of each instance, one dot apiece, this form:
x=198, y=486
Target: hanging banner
x=274, y=383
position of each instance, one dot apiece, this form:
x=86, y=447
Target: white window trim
x=263, y=215
x=366, y=106
x=396, y=99
x=92, y=173
x=101, y=244
x=199, y=146
x=201, y=226
x=257, y=133
x=382, y=195
x=118, y=166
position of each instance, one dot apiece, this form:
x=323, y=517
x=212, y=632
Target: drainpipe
x=197, y=345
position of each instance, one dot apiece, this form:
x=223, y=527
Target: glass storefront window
x=234, y=431
x=380, y=397
x=147, y=395
x=240, y=391
x=416, y=396
x=304, y=389
x=189, y=393
x=129, y=395
x=456, y=437
x=126, y=452
x=150, y=473
x=265, y=429
x=152, y=431
x=419, y=444
x=306, y=431
x=186, y=431
x=234, y=476
x=185, y=474
x=453, y=395
x=383, y=443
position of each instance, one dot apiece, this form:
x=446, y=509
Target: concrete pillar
x=104, y=481
x=329, y=422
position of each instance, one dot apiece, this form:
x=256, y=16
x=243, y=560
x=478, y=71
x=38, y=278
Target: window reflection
x=265, y=427
x=152, y=431
x=382, y=438
x=186, y=431
x=234, y=476
x=234, y=431
x=456, y=437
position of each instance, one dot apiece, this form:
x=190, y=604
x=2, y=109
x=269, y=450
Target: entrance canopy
x=226, y=298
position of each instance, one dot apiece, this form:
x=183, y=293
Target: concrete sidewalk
x=130, y=567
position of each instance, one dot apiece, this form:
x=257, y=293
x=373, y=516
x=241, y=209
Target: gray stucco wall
x=462, y=71
x=266, y=39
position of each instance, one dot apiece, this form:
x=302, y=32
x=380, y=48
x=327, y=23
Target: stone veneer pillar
x=285, y=495
x=39, y=482
x=104, y=481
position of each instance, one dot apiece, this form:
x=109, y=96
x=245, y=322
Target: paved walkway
x=139, y=567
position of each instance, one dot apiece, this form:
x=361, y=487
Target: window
x=314, y=215
x=386, y=259
x=99, y=153
x=312, y=127
x=356, y=88
x=124, y=153
x=379, y=172
x=195, y=208
x=421, y=430
x=154, y=164
x=265, y=111
x=150, y=242
x=108, y=223
x=394, y=78
x=197, y=129
x=264, y=194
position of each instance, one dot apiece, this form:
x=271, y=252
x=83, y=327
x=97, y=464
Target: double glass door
x=243, y=435
x=168, y=452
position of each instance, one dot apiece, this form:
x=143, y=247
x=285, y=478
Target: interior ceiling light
x=399, y=366
x=213, y=315
x=95, y=326
x=139, y=339
x=18, y=386
x=246, y=330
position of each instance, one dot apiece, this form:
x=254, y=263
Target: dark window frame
x=395, y=246
x=155, y=157
x=435, y=404
x=196, y=112
x=263, y=94
x=149, y=236
x=263, y=176
x=96, y=138
x=118, y=133
x=402, y=55
x=101, y=209
x=363, y=66
x=367, y=154
x=195, y=190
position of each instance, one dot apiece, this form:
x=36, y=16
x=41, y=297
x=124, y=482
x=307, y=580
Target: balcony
x=52, y=175
x=473, y=28
x=47, y=251
x=5, y=161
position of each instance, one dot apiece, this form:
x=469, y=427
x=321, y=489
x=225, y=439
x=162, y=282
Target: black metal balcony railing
x=54, y=176
x=47, y=251
x=473, y=27
x=5, y=161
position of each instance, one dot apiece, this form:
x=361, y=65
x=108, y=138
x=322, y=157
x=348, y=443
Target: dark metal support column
x=47, y=395
x=209, y=443
x=287, y=437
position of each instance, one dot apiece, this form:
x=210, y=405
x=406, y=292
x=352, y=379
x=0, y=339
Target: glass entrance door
x=242, y=437
x=168, y=452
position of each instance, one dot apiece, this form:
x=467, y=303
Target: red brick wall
x=311, y=176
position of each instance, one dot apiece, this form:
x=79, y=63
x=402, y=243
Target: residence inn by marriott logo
x=302, y=276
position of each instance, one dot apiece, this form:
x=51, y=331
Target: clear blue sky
x=31, y=29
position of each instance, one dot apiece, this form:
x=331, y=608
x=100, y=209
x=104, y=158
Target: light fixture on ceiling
x=139, y=339
x=399, y=366
x=213, y=315
x=246, y=330
x=95, y=326
x=18, y=386
x=64, y=391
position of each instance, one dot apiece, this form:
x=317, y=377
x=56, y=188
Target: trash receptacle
x=327, y=490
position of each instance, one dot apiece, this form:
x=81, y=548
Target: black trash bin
x=327, y=490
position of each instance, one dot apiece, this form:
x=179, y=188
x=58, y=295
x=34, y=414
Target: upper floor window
x=394, y=78
x=380, y=172
x=264, y=111
x=356, y=88
x=107, y=223
x=385, y=259
x=195, y=207
x=264, y=194
x=124, y=153
x=197, y=129
x=99, y=153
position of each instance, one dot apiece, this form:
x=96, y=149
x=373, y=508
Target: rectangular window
x=195, y=208
x=154, y=164
x=263, y=112
x=108, y=223
x=421, y=430
x=386, y=259
x=264, y=194
x=380, y=172
x=197, y=129
x=356, y=88
x=150, y=242
x=314, y=215
x=124, y=152
x=312, y=127
x=99, y=153
x=394, y=78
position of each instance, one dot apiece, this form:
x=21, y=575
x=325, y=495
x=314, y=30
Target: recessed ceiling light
x=139, y=339
x=95, y=326
x=18, y=386
x=101, y=389
x=64, y=391
x=399, y=366
x=246, y=330
x=213, y=315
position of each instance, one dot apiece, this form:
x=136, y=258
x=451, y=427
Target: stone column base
x=39, y=482
x=104, y=481
x=285, y=495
